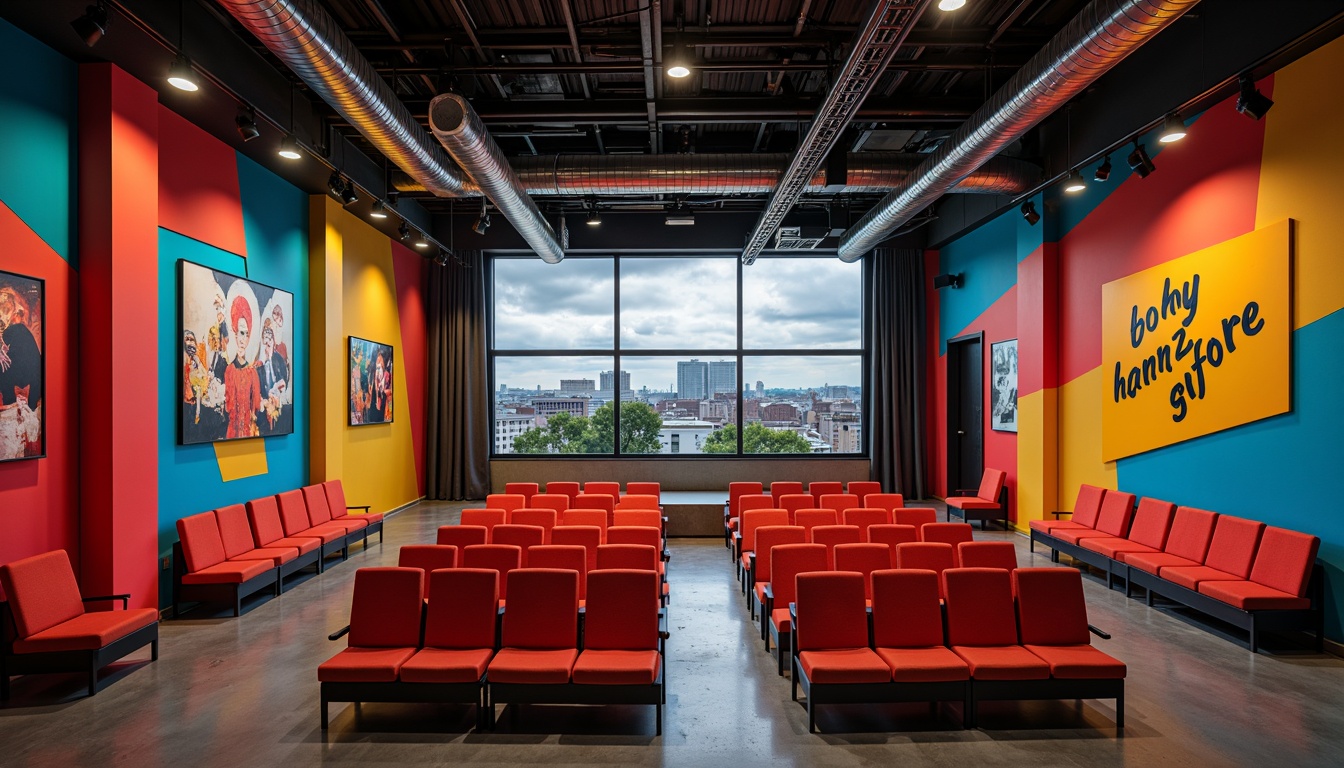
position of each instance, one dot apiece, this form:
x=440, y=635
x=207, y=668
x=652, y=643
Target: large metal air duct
x=1100, y=37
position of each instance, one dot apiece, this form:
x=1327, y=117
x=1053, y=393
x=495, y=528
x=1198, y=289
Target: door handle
x=961, y=431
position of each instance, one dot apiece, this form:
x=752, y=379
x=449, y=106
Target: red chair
x=263, y=515
x=319, y=513
x=506, y=501
x=202, y=574
x=989, y=502
x=294, y=517
x=384, y=629
x=522, y=536
x=602, y=501
x=1230, y=557
x=486, y=518
x=864, y=518
x=638, y=501
x=603, y=487
x=746, y=540
x=51, y=632
x=540, y=639
x=908, y=637
x=781, y=488
x=831, y=536
x=239, y=544
x=916, y=516
x=556, y=501
x=595, y=517
x=792, y=502
x=460, y=636
x=831, y=657
x=758, y=575
x=500, y=558
x=1086, y=509
x=1286, y=588
x=926, y=556
x=643, y=518
x=1148, y=533
x=1191, y=533
x=428, y=558
x=887, y=501
x=862, y=488
x=839, y=501
x=1117, y=510
x=566, y=487
x=947, y=533
x=339, y=509
x=545, y=519
x=892, y=536
x=786, y=562
x=638, y=488
x=1052, y=620
x=820, y=488
x=863, y=559
x=987, y=554
x=564, y=557
x=587, y=536
x=730, y=509
x=807, y=519
x=639, y=534
x=622, y=660
x=627, y=556
x=462, y=536
x=528, y=490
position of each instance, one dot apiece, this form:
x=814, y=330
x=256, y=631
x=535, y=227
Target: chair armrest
x=667, y=555
x=1059, y=512
x=123, y=598
x=364, y=507
x=793, y=613
x=1098, y=632
x=338, y=634
x=966, y=492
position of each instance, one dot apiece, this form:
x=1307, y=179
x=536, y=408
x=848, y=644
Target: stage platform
x=694, y=514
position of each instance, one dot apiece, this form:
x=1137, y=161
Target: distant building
x=723, y=377
x=760, y=390
x=568, y=386
x=549, y=406
x=508, y=427
x=679, y=436
x=692, y=380
x=780, y=413
x=606, y=378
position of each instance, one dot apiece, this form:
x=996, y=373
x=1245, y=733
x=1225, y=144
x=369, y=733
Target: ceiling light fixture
x=482, y=221
x=182, y=76
x=594, y=218
x=442, y=258
x=1103, y=171
x=379, y=210
x=1251, y=102
x=336, y=183
x=404, y=231
x=680, y=220
x=1140, y=162
x=1029, y=213
x=950, y=5
x=289, y=148
x=1074, y=183
x=92, y=25
x=421, y=241
x=247, y=124
x=1173, y=128
x=348, y=195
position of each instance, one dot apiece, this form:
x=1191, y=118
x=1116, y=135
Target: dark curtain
x=897, y=377
x=460, y=422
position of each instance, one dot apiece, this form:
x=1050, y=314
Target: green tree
x=757, y=438
x=563, y=433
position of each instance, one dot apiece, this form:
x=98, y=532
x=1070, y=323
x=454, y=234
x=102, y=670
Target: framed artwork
x=1003, y=387
x=237, y=364
x=23, y=373
x=371, y=370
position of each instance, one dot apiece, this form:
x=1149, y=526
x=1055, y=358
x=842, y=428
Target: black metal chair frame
x=575, y=693
x=91, y=661
x=218, y=593
x=411, y=693
x=1051, y=688
x=983, y=515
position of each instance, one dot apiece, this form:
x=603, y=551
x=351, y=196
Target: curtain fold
x=459, y=419
x=898, y=370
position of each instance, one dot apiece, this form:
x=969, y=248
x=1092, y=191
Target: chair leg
x=322, y=712
x=93, y=676
x=658, y=718
x=1120, y=714
x=154, y=650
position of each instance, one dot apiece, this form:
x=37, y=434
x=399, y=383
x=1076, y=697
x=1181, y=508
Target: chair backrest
x=556, y=501
x=603, y=501
x=487, y=518
x=264, y=516
x=336, y=498
x=528, y=490
x=647, y=518
x=603, y=487
x=428, y=558
x=1191, y=532
x=202, y=546
x=1285, y=560
x=987, y=554
x=792, y=502
x=1232, y=549
x=587, y=536
x=754, y=501
x=736, y=491
x=315, y=498
x=829, y=536
x=625, y=556
x=637, y=501
x=543, y=610
x=1117, y=509
x=948, y=533
x=1087, y=507
x=819, y=488
x=620, y=616
x=926, y=556
x=864, y=518
x=891, y=536
x=839, y=501
x=755, y=518
x=789, y=560
x=563, y=556
x=1152, y=521
x=593, y=517
x=506, y=501
x=782, y=488
x=831, y=611
x=463, y=613
x=887, y=501
x=386, y=608
x=1051, y=609
x=863, y=559
x=293, y=512
x=544, y=519
x=635, y=534
x=807, y=519
x=462, y=536
x=648, y=488
x=522, y=536
x=500, y=558
x=768, y=536
x=862, y=488
x=916, y=516
x=979, y=606
x=565, y=487
x=41, y=591
x=234, y=531
x=906, y=609
x=990, y=484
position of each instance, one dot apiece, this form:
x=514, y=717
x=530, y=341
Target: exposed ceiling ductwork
x=1097, y=39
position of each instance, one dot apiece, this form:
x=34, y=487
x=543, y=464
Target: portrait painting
x=22, y=372
x=370, y=382
x=1003, y=386
x=237, y=357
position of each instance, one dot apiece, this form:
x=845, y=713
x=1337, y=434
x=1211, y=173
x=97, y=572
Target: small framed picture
x=371, y=371
x=23, y=372
x=1003, y=386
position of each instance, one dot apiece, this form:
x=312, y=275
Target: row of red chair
x=549, y=519
x=1241, y=571
x=1019, y=635
x=573, y=490
x=561, y=503
x=226, y=554
x=822, y=526
x=404, y=649
x=790, y=496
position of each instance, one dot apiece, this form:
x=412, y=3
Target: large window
x=680, y=356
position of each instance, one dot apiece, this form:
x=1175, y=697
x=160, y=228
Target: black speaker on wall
x=944, y=281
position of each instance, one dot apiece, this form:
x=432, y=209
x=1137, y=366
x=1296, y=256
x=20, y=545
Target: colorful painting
x=1003, y=389
x=370, y=382
x=237, y=363
x=22, y=374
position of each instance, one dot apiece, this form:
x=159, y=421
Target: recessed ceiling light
x=950, y=5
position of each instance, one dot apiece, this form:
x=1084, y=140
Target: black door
x=965, y=416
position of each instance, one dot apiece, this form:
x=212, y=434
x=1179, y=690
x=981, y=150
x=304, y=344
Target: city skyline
x=660, y=373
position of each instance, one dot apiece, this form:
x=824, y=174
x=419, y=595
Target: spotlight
x=336, y=184
x=950, y=5
x=676, y=65
x=1140, y=162
x=348, y=195
x=92, y=25
x=1103, y=171
x=247, y=124
x=404, y=231
x=594, y=218
x=421, y=241
x=678, y=70
x=1251, y=103
x=182, y=76
x=379, y=210
x=1074, y=184
x=1029, y=213
x=1173, y=129
x=483, y=221
x=442, y=258
x=289, y=148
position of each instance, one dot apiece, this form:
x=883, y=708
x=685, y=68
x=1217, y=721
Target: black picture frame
x=18, y=344
x=367, y=402
x=1003, y=386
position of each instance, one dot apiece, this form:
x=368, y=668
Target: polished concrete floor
x=243, y=692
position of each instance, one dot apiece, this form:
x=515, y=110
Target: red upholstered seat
x=203, y=551
x=916, y=516
x=459, y=628
x=736, y=490
x=649, y=488
x=556, y=501
x=810, y=518
x=558, y=487
x=264, y=516
x=933, y=556
x=42, y=592
x=888, y=501
x=521, y=536
x=1086, y=510
x=620, y=630
x=540, y=634
x=536, y=666
x=500, y=558
x=364, y=665
x=908, y=628
x=228, y=572
x=506, y=502
x=1279, y=577
x=751, y=520
x=627, y=556
x=768, y=537
x=792, y=502
x=527, y=490
x=236, y=535
x=617, y=667
x=294, y=517
x=863, y=559
x=445, y=665
x=1231, y=553
x=864, y=518
x=819, y=488
x=319, y=511
x=1187, y=544
x=605, y=487
x=847, y=665
x=336, y=502
x=780, y=488
x=637, y=518
x=87, y=632
x=986, y=497
x=1117, y=509
x=587, y=536
x=947, y=533
x=545, y=519
x=487, y=518
x=1079, y=662
x=1148, y=533
x=605, y=503
x=840, y=502
x=935, y=664
x=385, y=615
x=833, y=629
x=786, y=562
x=428, y=558
x=1052, y=617
x=570, y=557
x=982, y=627
x=830, y=536
x=1250, y=596
x=987, y=554
x=863, y=489
x=462, y=536
x=600, y=518
x=892, y=536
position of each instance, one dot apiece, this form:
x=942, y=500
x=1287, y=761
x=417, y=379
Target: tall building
x=760, y=390
x=693, y=380
x=568, y=386
x=723, y=377
x=606, y=378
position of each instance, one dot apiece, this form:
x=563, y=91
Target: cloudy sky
x=678, y=303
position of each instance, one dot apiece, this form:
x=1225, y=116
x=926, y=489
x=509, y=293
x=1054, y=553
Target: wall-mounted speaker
x=945, y=281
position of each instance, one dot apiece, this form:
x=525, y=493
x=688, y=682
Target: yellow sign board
x=1198, y=344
